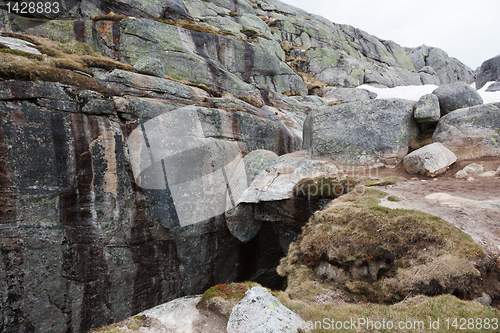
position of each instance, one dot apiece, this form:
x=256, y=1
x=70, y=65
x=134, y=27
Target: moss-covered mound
x=223, y=297
x=381, y=254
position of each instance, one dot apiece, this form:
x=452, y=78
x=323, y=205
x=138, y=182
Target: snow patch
x=489, y=97
x=413, y=93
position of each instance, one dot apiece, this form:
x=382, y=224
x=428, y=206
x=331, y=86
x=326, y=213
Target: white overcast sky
x=468, y=30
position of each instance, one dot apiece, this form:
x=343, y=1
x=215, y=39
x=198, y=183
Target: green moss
x=228, y=291
x=393, y=198
x=223, y=297
x=109, y=17
x=386, y=181
x=414, y=248
x=324, y=187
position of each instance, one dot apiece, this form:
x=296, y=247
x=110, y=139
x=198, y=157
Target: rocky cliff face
x=83, y=244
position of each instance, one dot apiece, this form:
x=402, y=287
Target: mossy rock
x=221, y=298
x=382, y=254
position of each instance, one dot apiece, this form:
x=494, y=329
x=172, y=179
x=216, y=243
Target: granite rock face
x=362, y=133
x=207, y=94
x=434, y=62
x=87, y=243
x=236, y=45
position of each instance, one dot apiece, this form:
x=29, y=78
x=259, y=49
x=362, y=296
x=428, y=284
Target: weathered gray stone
x=471, y=132
x=456, y=96
x=448, y=69
x=431, y=160
x=145, y=85
x=277, y=184
x=399, y=54
x=259, y=311
x=17, y=90
x=473, y=168
x=428, y=76
x=225, y=63
x=489, y=71
x=427, y=109
x=94, y=103
x=150, y=66
x=240, y=221
x=362, y=133
x=152, y=9
x=345, y=95
x=182, y=315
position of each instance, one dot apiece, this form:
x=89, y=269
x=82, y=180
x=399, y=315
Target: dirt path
x=472, y=206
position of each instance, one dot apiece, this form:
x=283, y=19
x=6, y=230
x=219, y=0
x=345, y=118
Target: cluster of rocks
x=489, y=71
x=475, y=170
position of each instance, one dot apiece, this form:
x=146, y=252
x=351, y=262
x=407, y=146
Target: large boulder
x=259, y=311
x=430, y=160
x=362, y=133
x=427, y=109
x=456, y=96
x=471, y=132
x=489, y=71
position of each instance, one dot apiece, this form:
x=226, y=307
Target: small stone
x=485, y=299
x=469, y=179
x=460, y=175
x=498, y=172
x=473, y=168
